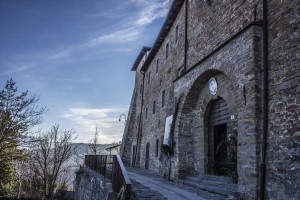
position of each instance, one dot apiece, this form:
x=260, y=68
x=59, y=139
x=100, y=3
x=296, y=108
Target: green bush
x=7, y=179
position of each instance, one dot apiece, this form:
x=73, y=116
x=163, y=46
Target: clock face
x=213, y=86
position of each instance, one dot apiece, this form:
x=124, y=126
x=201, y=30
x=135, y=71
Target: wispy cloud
x=106, y=119
x=60, y=54
x=152, y=10
x=13, y=70
x=131, y=27
x=119, y=36
x=127, y=30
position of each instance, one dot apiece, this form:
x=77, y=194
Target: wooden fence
x=120, y=177
x=96, y=162
x=114, y=171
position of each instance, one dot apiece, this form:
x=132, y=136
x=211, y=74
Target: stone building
x=219, y=93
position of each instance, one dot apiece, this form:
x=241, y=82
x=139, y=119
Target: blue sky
x=76, y=56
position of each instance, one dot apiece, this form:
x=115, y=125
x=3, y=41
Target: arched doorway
x=221, y=141
x=196, y=122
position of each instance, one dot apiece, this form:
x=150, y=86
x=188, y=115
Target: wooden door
x=217, y=136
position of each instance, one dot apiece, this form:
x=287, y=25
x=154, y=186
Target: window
x=156, y=149
x=133, y=154
x=167, y=50
x=163, y=98
x=157, y=65
x=146, y=114
x=149, y=75
x=154, y=103
x=141, y=88
x=176, y=36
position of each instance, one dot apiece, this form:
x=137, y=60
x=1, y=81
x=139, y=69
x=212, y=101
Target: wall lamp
x=121, y=117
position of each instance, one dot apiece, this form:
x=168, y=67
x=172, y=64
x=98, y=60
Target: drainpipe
x=140, y=125
x=185, y=36
x=265, y=103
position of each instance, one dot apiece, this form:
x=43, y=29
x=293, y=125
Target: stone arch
x=192, y=149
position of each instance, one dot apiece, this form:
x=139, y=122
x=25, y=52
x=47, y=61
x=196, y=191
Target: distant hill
x=77, y=159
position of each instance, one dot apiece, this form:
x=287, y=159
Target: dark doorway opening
x=221, y=143
x=220, y=149
x=147, y=155
x=133, y=155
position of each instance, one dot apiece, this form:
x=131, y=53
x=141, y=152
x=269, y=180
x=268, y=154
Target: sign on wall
x=167, y=130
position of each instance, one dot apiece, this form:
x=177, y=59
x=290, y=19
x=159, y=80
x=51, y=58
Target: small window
x=163, y=98
x=154, y=104
x=176, y=36
x=167, y=50
x=157, y=147
x=133, y=154
x=157, y=65
x=149, y=76
x=146, y=114
x=141, y=88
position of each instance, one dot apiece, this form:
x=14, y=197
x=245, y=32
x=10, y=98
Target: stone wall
x=210, y=26
x=162, y=80
x=283, y=150
x=90, y=185
x=225, y=42
x=128, y=135
x=235, y=67
x=133, y=120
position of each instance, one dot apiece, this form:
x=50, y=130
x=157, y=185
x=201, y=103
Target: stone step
x=212, y=184
x=142, y=192
x=217, y=178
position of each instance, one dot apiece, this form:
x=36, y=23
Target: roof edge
x=139, y=58
x=172, y=14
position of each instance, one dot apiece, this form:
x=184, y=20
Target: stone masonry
x=222, y=39
x=90, y=185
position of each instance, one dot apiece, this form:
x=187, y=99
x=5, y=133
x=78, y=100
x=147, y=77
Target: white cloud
x=152, y=10
x=126, y=30
x=119, y=36
x=130, y=28
x=59, y=54
x=14, y=69
x=106, y=119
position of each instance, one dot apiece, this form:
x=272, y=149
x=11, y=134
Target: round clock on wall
x=213, y=86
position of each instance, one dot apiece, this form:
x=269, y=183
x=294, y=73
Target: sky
x=76, y=57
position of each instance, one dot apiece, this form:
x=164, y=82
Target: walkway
x=148, y=185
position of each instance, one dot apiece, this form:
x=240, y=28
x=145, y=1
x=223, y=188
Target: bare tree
x=26, y=180
x=49, y=157
x=94, y=146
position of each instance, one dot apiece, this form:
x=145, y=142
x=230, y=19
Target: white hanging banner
x=168, y=130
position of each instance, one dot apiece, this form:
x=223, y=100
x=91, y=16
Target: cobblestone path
x=148, y=185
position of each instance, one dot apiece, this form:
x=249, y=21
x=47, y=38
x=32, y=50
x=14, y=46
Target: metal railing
x=115, y=170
